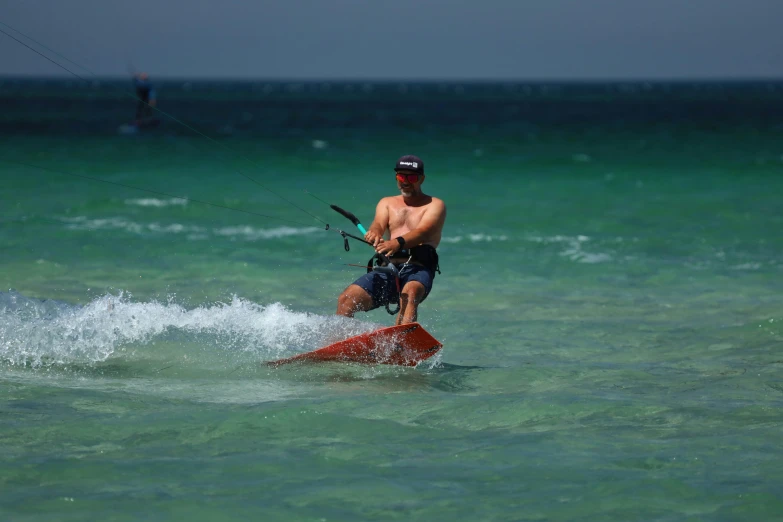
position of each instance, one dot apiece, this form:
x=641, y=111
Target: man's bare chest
x=408, y=217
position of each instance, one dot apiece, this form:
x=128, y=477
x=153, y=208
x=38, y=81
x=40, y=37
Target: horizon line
x=384, y=80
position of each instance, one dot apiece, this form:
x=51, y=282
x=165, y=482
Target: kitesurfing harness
x=424, y=254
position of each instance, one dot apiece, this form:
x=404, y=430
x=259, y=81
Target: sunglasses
x=410, y=178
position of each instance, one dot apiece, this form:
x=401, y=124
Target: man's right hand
x=373, y=237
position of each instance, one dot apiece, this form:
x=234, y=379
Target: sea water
x=609, y=303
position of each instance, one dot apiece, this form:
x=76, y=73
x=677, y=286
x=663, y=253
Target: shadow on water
x=439, y=376
x=446, y=367
x=451, y=378
x=454, y=377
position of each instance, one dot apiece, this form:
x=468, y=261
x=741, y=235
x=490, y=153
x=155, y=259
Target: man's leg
x=412, y=294
x=353, y=299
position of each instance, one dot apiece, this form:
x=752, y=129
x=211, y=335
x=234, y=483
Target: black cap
x=412, y=163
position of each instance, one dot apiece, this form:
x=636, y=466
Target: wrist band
x=402, y=241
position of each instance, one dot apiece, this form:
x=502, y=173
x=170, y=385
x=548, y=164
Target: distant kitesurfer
x=145, y=92
x=415, y=222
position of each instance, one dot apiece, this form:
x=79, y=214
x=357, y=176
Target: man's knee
x=413, y=292
x=354, y=299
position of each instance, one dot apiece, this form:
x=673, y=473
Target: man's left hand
x=387, y=248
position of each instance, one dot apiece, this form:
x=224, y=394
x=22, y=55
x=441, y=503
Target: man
x=145, y=92
x=415, y=222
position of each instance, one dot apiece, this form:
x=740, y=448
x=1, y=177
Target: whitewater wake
x=38, y=333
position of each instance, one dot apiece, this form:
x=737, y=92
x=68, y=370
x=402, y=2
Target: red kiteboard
x=404, y=345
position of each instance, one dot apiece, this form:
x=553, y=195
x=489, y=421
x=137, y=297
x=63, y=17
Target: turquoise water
x=610, y=305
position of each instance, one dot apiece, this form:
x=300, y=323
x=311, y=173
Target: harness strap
x=376, y=261
x=381, y=261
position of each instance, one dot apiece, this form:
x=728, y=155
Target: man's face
x=409, y=182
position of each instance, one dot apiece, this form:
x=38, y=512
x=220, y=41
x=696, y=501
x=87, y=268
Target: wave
x=193, y=232
x=474, y=238
x=252, y=234
x=36, y=333
x=155, y=202
x=574, y=248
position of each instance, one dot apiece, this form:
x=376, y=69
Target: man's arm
x=430, y=226
x=379, y=224
x=429, y=229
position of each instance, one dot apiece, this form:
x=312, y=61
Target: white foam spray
x=39, y=333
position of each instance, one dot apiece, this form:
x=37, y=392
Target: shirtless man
x=415, y=221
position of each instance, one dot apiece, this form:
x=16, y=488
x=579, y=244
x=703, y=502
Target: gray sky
x=402, y=39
